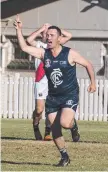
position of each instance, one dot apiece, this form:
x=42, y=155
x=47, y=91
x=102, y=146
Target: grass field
x=20, y=151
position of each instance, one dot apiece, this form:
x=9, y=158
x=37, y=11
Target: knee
x=39, y=110
x=67, y=124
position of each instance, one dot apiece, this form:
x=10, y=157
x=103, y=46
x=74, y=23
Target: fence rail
x=17, y=99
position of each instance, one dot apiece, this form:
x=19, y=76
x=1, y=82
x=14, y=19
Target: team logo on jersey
x=69, y=102
x=40, y=94
x=56, y=77
x=47, y=63
x=62, y=62
x=55, y=61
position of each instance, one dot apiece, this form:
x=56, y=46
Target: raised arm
x=75, y=57
x=66, y=36
x=36, y=52
x=37, y=33
x=34, y=35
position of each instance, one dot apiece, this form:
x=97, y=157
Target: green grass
x=20, y=151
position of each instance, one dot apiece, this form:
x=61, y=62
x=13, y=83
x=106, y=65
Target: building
x=87, y=22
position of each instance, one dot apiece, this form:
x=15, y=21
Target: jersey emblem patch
x=47, y=63
x=56, y=77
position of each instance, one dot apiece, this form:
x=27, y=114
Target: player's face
x=53, y=38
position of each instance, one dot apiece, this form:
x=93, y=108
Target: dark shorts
x=54, y=104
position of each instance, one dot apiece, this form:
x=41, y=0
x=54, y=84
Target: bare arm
x=36, y=52
x=66, y=36
x=75, y=57
x=33, y=36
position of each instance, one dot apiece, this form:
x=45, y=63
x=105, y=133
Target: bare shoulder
x=73, y=52
x=71, y=56
x=75, y=57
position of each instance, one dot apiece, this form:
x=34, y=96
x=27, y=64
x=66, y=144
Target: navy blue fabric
x=60, y=74
x=54, y=104
x=62, y=82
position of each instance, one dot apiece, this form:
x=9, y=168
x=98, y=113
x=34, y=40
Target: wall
x=87, y=23
x=77, y=16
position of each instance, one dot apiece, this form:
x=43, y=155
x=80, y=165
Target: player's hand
x=43, y=28
x=17, y=23
x=47, y=25
x=91, y=88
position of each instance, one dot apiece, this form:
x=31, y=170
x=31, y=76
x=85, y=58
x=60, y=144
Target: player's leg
x=58, y=138
x=53, y=112
x=47, y=136
x=72, y=102
x=39, y=107
x=67, y=120
x=75, y=132
x=40, y=104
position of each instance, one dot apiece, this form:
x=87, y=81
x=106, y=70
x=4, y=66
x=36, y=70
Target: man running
x=63, y=91
x=41, y=84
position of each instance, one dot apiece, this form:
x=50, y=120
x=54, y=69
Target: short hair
x=56, y=28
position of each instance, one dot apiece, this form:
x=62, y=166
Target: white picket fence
x=17, y=99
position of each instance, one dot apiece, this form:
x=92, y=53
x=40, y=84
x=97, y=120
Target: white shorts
x=41, y=89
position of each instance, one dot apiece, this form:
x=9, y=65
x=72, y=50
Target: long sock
x=48, y=125
x=36, y=127
x=63, y=153
x=74, y=125
x=47, y=131
x=47, y=122
x=36, y=121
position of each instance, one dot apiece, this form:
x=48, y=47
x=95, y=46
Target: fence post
x=85, y=99
x=91, y=106
x=81, y=112
x=0, y=93
x=105, y=100
x=100, y=100
x=106, y=67
x=96, y=104
x=11, y=84
x=30, y=83
x=16, y=94
x=5, y=97
x=33, y=96
x=25, y=104
x=17, y=100
x=21, y=94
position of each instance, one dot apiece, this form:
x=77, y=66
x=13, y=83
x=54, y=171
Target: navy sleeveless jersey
x=60, y=74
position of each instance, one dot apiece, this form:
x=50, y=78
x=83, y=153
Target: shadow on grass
x=19, y=138
x=16, y=138
x=93, y=142
x=28, y=163
x=87, y=141
x=81, y=141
